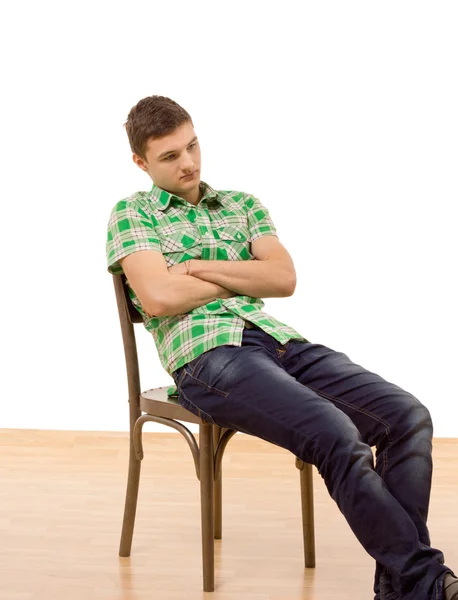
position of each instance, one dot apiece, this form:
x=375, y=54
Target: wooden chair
x=154, y=405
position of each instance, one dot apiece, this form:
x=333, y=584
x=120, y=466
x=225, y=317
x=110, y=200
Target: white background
x=341, y=117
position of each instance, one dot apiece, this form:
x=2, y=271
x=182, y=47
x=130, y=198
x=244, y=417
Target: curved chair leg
x=207, y=470
x=218, y=489
x=308, y=520
x=133, y=480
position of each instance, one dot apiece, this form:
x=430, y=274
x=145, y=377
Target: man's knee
x=336, y=448
x=413, y=416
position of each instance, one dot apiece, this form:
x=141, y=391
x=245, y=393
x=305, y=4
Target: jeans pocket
x=177, y=376
x=201, y=399
x=195, y=410
x=189, y=367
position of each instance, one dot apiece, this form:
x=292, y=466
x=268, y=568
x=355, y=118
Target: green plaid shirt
x=220, y=227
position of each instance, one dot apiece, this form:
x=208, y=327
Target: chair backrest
x=133, y=314
x=128, y=315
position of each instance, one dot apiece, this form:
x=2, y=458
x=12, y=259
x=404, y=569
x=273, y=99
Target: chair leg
x=308, y=520
x=130, y=508
x=218, y=508
x=207, y=471
x=218, y=490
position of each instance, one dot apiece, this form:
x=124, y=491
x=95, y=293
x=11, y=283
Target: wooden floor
x=62, y=500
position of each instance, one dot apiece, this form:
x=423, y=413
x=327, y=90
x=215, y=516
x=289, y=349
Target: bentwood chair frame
x=155, y=405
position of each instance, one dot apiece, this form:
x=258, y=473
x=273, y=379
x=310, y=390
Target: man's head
x=164, y=145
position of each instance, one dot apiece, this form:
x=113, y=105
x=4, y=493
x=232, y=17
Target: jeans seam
x=281, y=353
x=368, y=414
x=181, y=376
x=200, y=412
x=200, y=357
x=209, y=387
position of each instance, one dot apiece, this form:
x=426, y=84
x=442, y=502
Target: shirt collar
x=162, y=198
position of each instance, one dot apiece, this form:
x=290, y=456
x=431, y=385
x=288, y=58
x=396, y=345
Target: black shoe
x=450, y=587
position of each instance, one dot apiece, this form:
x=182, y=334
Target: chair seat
x=156, y=402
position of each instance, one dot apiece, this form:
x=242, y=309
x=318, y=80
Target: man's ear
x=139, y=162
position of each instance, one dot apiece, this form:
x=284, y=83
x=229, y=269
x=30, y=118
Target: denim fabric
x=329, y=411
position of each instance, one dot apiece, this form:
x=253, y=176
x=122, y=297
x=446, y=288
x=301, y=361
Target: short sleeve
x=130, y=229
x=259, y=220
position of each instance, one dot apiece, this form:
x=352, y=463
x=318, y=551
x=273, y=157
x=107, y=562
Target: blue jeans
x=329, y=412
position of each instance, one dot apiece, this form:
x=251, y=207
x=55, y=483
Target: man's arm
x=183, y=294
x=162, y=293
x=271, y=275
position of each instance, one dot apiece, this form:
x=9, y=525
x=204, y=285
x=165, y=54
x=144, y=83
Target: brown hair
x=153, y=117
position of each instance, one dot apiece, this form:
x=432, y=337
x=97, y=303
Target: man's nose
x=187, y=164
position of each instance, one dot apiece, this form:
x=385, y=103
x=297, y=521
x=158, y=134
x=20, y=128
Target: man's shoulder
x=139, y=199
x=139, y=202
x=234, y=196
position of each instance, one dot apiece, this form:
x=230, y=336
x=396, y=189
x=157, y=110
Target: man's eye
x=169, y=157
x=192, y=145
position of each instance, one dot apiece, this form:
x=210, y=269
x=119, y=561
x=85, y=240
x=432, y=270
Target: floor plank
x=62, y=501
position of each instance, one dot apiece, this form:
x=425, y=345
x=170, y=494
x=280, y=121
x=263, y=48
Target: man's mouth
x=190, y=176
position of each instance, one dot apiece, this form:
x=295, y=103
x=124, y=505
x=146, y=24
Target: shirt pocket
x=180, y=245
x=233, y=242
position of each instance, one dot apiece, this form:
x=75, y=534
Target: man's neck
x=197, y=199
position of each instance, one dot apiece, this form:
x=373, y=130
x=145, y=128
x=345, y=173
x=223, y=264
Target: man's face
x=170, y=159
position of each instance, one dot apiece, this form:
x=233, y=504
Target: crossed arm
x=271, y=274
x=163, y=291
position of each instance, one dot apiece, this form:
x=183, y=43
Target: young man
x=198, y=261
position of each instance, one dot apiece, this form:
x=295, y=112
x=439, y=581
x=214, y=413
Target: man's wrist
x=194, y=267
